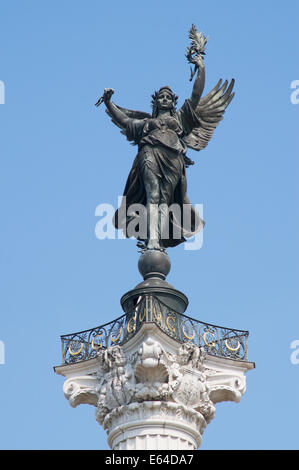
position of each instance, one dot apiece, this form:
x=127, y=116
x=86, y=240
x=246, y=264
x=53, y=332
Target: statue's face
x=164, y=101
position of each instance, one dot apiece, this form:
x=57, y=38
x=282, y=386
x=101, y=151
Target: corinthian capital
x=155, y=379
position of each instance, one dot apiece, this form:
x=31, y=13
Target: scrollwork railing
x=215, y=340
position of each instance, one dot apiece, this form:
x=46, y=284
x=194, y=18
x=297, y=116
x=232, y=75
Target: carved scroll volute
x=82, y=389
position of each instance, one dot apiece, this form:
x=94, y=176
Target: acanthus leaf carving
x=152, y=374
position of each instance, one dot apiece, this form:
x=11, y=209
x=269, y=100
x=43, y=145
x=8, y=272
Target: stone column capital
x=149, y=390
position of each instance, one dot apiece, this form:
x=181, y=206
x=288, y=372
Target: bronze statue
x=157, y=180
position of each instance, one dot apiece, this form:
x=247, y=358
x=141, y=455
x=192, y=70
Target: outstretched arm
x=198, y=86
x=120, y=118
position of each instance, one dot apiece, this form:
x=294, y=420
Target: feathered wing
x=210, y=111
x=130, y=113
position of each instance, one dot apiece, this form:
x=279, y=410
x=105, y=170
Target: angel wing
x=210, y=112
x=130, y=113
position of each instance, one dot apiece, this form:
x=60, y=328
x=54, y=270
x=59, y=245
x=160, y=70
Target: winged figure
x=157, y=180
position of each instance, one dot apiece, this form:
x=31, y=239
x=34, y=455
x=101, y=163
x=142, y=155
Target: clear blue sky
x=61, y=157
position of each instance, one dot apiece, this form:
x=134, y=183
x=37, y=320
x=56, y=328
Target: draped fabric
x=161, y=149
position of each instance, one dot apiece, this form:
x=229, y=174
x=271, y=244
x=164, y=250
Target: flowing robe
x=161, y=148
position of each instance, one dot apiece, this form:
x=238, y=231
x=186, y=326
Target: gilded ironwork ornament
x=215, y=340
x=157, y=180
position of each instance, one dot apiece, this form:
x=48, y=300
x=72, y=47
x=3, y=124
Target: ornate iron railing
x=215, y=340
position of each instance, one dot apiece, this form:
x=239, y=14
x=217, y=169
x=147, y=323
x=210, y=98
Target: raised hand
x=108, y=92
x=196, y=52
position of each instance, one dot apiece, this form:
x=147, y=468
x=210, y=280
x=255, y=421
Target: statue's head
x=164, y=99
